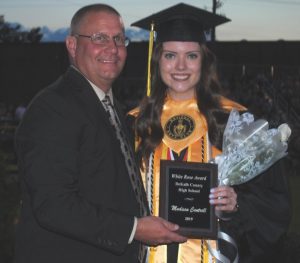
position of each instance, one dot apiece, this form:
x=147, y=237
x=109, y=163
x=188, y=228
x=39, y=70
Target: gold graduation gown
x=184, y=127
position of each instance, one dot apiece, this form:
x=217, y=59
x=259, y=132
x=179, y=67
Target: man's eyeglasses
x=103, y=39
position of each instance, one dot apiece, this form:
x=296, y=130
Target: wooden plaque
x=184, y=197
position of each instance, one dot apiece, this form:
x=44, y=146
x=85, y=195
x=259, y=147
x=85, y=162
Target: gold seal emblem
x=179, y=127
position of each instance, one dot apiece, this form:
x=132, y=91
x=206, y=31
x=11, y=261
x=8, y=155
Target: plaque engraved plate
x=184, y=197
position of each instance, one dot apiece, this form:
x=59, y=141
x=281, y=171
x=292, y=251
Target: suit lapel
x=87, y=98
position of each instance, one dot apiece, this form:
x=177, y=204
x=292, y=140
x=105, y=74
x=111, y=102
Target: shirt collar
x=99, y=92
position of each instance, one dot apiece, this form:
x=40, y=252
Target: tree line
x=10, y=33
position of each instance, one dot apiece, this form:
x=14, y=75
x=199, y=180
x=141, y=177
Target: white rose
x=284, y=132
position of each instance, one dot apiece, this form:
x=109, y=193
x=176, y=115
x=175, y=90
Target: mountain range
x=59, y=35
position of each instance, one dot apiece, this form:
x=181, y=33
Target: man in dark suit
x=78, y=202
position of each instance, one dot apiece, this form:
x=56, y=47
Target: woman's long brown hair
x=148, y=125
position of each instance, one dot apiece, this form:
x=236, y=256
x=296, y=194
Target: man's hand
x=156, y=231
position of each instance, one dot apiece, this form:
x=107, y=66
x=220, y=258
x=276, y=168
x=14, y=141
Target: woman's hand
x=224, y=198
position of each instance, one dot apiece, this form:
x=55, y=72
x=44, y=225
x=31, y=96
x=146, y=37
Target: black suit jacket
x=78, y=204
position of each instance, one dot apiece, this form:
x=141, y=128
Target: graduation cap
x=180, y=22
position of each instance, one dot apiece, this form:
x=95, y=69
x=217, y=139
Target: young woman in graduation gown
x=183, y=119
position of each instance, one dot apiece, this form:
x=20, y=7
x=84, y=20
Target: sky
x=253, y=20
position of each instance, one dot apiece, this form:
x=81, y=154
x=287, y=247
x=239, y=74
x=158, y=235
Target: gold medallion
x=179, y=127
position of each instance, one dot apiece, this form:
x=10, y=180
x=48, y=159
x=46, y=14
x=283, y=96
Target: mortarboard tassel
x=151, y=40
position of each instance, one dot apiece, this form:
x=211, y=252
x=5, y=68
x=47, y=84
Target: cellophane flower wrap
x=249, y=148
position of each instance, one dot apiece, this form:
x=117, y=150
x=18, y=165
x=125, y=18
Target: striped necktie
x=127, y=151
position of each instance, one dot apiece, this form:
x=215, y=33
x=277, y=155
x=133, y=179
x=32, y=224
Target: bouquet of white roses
x=249, y=148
